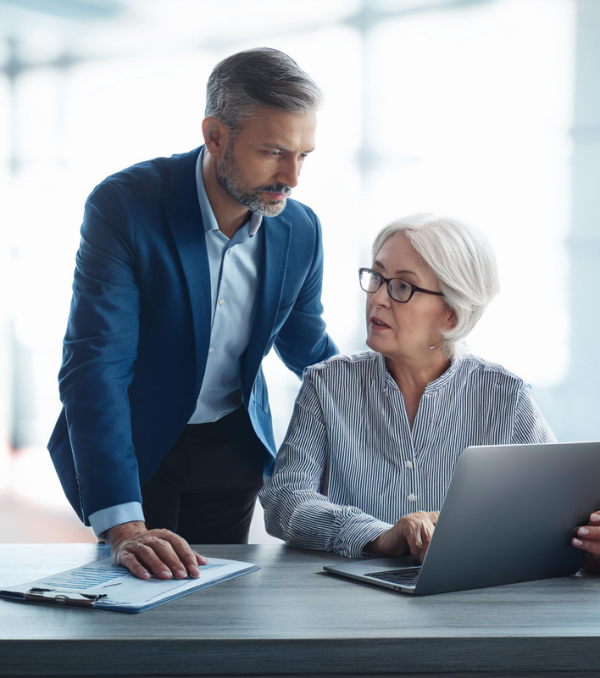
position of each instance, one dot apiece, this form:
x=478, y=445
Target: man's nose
x=289, y=173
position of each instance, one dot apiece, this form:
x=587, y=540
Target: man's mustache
x=279, y=188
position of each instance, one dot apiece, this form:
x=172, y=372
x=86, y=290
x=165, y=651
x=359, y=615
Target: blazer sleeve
x=303, y=340
x=99, y=351
x=295, y=509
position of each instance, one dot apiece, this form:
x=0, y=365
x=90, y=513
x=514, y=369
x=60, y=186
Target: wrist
x=123, y=531
x=374, y=547
x=388, y=544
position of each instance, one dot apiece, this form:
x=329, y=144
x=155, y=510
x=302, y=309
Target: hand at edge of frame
x=587, y=538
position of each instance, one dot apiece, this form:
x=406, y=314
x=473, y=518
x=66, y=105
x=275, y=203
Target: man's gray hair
x=463, y=260
x=258, y=77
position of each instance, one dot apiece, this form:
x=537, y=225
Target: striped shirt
x=350, y=465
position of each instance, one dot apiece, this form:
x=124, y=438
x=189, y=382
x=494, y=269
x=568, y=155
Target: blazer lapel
x=277, y=233
x=185, y=221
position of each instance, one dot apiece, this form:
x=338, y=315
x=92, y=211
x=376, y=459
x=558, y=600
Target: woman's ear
x=450, y=319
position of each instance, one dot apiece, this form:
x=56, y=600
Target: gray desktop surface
x=292, y=619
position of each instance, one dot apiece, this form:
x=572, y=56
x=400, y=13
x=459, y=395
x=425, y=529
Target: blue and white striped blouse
x=350, y=466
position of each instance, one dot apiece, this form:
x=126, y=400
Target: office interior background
x=483, y=110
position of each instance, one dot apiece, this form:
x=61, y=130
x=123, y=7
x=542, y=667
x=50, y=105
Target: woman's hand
x=411, y=534
x=587, y=538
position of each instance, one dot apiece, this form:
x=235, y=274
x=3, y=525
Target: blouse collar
x=439, y=383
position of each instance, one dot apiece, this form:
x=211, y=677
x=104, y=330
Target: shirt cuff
x=357, y=533
x=115, y=515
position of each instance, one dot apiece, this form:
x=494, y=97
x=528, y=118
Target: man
x=190, y=269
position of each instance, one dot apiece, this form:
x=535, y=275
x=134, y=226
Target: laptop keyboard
x=406, y=577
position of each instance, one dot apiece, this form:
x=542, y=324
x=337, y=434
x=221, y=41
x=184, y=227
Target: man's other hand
x=144, y=552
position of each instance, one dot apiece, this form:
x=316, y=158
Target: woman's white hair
x=463, y=260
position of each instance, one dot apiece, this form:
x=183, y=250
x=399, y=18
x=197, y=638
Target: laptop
x=509, y=516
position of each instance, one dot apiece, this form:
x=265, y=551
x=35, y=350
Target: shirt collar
x=208, y=216
x=444, y=378
x=435, y=385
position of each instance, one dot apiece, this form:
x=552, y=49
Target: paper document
x=107, y=586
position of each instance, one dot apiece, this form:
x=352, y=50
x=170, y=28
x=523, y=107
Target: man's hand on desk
x=144, y=552
x=588, y=539
x=411, y=534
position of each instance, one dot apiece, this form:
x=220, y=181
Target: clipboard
x=106, y=586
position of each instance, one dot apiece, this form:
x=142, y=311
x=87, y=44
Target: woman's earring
x=431, y=347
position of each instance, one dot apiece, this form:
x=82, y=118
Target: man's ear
x=216, y=136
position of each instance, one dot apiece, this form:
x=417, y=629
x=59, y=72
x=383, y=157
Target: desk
x=291, y=618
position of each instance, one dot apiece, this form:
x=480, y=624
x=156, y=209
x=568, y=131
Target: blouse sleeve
x=295, y=510
x=529, y=425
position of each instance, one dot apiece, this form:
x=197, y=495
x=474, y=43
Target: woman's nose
x=381, y=297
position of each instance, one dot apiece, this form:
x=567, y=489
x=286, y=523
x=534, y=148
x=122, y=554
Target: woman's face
x=405, y=330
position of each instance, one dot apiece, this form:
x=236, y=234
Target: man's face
x=261, y=166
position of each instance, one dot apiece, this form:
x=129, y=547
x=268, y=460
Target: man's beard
x=228, y=176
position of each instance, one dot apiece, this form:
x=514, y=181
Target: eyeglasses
x=399, y=290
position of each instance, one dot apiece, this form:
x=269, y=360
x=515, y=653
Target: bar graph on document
x=90, y=576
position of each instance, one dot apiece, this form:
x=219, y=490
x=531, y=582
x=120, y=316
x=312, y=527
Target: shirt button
x=409, y=464
x=412, y=497
x=229, y=250
x=221, y=302
x=211, y=350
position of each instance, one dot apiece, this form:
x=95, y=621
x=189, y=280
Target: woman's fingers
x=410, y=531
x=417, y=530
x=587, y=538
x=433, y=516
x=427, y=528
x=414, y=541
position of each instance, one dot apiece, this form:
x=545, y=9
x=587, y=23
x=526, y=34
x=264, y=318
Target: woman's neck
x=412, y=374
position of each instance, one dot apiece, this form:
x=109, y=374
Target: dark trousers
x=206, y=487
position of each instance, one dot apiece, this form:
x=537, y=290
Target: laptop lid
x=509, y=516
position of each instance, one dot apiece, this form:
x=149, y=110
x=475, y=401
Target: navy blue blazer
x=138, y=334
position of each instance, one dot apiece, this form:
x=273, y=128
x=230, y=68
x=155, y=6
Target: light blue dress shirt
x=234, y=264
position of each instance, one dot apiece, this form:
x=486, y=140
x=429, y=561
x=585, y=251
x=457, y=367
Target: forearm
x=306, y=519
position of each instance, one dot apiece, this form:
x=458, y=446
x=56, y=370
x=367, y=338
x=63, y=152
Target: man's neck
x=230, y=215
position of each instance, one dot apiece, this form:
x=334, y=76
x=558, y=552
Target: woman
x=375, y=436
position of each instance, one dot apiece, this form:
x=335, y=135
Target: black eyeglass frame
x=413, y=289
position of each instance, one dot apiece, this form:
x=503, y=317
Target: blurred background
x=483, y=110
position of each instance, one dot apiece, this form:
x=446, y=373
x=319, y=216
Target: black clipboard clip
x=54, y=597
